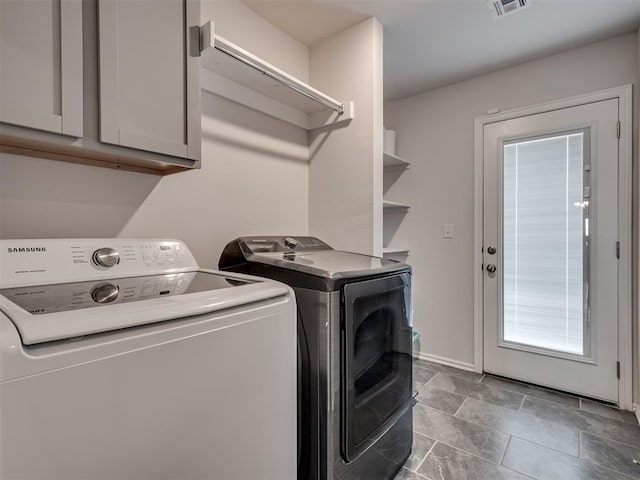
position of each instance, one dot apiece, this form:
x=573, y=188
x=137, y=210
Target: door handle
x=491, y=268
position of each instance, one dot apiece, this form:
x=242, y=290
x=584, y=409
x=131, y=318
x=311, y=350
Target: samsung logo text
x=26, y=249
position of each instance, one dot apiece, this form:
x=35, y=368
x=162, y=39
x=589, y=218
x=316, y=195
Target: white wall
x=345, y=182
x=254, y=176
x=435, y=132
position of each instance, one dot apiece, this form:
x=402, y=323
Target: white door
x=550, y=249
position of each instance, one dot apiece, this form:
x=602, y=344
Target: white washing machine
x=121, y=359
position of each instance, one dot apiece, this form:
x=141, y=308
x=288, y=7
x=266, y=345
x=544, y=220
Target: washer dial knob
x=106, y=257
x=105, y=293
x=291, y=243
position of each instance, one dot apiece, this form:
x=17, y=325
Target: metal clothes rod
x=333, y=106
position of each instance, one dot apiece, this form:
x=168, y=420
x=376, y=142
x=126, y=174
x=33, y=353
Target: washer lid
x=44, y=313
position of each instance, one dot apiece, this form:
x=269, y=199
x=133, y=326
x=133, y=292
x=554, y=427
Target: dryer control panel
x=41, y=262
x=281, y=244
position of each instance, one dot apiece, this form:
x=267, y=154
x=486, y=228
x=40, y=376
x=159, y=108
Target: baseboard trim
x=450, y=362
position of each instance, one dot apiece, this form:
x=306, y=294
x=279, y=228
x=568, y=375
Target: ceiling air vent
x=501, y=8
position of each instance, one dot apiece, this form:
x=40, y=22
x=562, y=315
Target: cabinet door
x=150, y=75
x=41, y=64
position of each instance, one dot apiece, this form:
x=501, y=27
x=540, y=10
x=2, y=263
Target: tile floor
x=469, y=426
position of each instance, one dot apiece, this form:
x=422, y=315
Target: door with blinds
x=549, y=249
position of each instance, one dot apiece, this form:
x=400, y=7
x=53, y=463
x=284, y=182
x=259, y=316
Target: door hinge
x=618, y=129
x=618, y=369
x=618, y=250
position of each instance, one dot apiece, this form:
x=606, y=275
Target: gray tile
x=422, y=375
x=419, y=450
x=613, y=455
x=608, y=412
x=523, y=425
x=585, y=421
x=405, y=474
x=442, y=400
x=459, y=433
x=473, y=376
x=546, y=464
x=447, y=463
x=497, y=396
x=526, y=389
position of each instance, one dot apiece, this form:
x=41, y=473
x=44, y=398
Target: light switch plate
x=448, y=230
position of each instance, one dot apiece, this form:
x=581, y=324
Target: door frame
x=624, y=95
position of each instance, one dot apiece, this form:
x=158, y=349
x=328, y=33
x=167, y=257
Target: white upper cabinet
x=109, y=83
x=41, y=81
x=149, y=75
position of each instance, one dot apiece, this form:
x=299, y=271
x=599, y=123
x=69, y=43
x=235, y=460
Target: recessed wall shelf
x=393, y=162
x=394, y=213
x=236, y=74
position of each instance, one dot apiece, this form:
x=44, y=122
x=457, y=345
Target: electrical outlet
x=448, y=230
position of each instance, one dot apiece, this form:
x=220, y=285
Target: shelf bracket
x=207, y=37
x=325, y=118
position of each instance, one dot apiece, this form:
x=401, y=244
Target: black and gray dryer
x=354, y=353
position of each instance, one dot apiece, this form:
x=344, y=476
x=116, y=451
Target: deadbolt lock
x=491, y=250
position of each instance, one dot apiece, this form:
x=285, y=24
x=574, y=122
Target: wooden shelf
x=387, y=205
x=394, y=162
x=236, y=74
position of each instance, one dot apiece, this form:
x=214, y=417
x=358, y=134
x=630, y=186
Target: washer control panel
x=40, y=262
